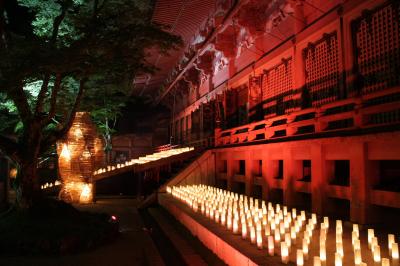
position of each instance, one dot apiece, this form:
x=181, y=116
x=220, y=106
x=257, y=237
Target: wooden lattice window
x=277, y=88
x=377, y=48
x=322, y=70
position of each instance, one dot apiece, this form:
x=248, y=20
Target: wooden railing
x=373, y=110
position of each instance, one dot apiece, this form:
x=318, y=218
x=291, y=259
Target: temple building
x=273, y=137
x=291, y=102
x=296, y=101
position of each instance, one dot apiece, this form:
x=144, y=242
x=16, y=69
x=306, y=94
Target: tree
x=53, y=63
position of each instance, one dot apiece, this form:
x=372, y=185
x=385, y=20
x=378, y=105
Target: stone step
x=188, y=254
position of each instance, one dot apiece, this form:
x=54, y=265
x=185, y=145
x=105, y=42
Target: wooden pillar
x=288, y=178
x=229, y=171
x=266, y=172
x=359, y=184
x=318, y=178
x=248, y=173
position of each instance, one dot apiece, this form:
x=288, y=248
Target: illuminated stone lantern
x=80, y=153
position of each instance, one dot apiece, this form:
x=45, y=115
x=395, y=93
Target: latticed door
x=255, y=99
x=376, y=37
x=321, y=61
x=277, y=89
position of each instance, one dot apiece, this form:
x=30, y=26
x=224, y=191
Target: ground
x=131, y=247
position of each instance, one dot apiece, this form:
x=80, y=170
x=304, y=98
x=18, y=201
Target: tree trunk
x=27, y=185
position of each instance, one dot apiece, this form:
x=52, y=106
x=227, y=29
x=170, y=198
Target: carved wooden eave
x=205, y=62
x=253, y=17
x=226, y=41
x=209, y=39
x=183, y=86
x=193, y=77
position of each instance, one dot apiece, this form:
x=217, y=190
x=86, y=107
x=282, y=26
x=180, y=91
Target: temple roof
x=181, y=17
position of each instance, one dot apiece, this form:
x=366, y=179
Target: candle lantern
x=284, y=253
x=80, y=154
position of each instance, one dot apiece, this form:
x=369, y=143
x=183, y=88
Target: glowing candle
x=217, y=215
x=229, y=222
x=385, y=262
x=356, y=229
x=299, y=257
x=259, y=239
x=339, y=249
x=252, y=235
x=374, y=242
x=282, y=228
x=390, y=242
x=277, y=236
x=326, y=222
x=339, y=238
x=235, y=227
x=305, y=248
x=357, y=257
x=284, y=253
x=223, y=220
x=377, y=254
x=395, y=251
x=370, y=236
x=293, y=233
x=65, y=153
x=288, y=240
x=303, y=215
x=338, y=259
x=354, y=237
x=322, y=252
x=317, y=261
x=244, y=230
x=267, y=230
x=271, y=246
x=273, y=226
x=357, y=244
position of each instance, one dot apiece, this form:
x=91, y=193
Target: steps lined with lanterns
x=142, y=163
x=280, y=235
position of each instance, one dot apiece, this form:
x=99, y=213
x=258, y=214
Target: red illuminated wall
x=340, y=52
x=321, y=86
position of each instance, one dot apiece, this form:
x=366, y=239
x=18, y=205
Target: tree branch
x=53, y=100
x=20, y=100
x=57, y=23
x=51, y=139
x=42, y=95
x=74, y=109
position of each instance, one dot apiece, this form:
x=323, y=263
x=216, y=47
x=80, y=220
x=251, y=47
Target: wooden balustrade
x=373, y=110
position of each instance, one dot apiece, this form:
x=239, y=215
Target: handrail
x=358, y=115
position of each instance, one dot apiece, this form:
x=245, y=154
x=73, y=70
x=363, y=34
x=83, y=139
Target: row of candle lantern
x=50, y=184
x=145, y=159
x=270, y=226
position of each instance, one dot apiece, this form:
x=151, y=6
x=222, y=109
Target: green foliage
x=102, y=44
